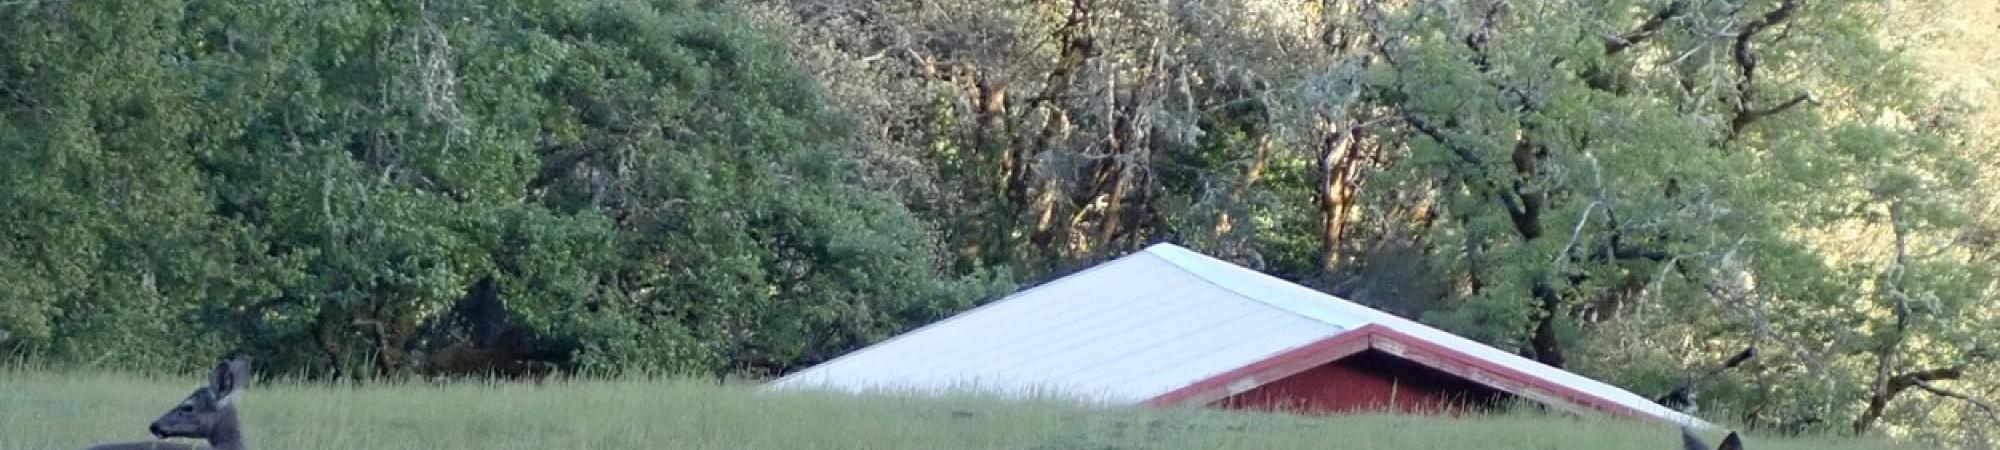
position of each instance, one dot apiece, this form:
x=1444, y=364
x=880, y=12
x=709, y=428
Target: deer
x=1691, y=442
x=208, y=414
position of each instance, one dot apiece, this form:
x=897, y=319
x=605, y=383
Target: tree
x=365, y=189
x=1616, y=187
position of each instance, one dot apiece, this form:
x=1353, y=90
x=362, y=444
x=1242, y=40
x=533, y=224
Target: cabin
x=1168, y=327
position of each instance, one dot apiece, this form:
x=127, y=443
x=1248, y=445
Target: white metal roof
x=1138, y=327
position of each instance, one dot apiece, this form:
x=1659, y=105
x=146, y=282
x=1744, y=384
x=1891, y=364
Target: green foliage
x=1624, y=188
x=373, y=187
x=641, y=185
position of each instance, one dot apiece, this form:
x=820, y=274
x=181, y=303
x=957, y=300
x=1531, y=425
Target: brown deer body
x=208, y=414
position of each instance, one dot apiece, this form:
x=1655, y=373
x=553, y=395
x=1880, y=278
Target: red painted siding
x=1369, y=381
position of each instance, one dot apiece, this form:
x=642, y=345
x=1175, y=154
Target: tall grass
x=41, y=409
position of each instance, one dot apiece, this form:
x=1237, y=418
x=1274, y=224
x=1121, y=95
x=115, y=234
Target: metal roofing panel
x=1138, y=327
x=1349, y=315
x=1119, y=333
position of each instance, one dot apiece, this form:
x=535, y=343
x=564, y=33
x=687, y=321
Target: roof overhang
x=1387, y=340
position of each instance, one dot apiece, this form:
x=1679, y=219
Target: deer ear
x=229, y=376
x=1731, y=443
x=1691, y=442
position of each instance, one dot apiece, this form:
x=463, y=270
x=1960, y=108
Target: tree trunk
x=1340, y=158
x=991, y=135
x=1077, y=47
x=1548, y=349
x=1223, y=221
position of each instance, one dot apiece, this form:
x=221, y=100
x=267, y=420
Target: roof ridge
x=1205, y=267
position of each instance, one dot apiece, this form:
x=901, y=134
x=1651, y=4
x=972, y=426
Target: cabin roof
x=1168, y=326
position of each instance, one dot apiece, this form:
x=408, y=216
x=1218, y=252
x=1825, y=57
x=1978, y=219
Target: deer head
x=208, y=414
x=1691, y=442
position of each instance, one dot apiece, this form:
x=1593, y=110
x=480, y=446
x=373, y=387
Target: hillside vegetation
x=71, y=411
x=1633, y=190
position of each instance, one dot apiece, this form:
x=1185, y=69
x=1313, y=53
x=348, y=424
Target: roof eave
x=1407, y=347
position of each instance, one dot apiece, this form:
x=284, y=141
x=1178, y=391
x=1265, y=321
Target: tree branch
x=1511, y=202
x=1907, y=380
x=1991, y=412
x=1078, y=46
x=1887, y=391
x=1478, y=39
x=1576, y=232
x=1632, y=252
x=1747, y=60
x=1744, y=115
x=1424, y=126
x=1616, y=44
x=1746, y=64
x=22, y=97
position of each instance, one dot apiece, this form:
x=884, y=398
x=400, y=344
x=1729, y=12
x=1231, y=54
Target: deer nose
x=155, y=429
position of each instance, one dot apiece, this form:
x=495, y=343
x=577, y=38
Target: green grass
x=50, y=410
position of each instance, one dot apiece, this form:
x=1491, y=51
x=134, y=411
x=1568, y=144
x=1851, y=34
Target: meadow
x=42, y=409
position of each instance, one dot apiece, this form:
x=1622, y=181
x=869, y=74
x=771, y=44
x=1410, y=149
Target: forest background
x=1630, y=189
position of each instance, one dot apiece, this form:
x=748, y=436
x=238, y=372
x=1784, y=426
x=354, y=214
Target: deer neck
x=227, y=435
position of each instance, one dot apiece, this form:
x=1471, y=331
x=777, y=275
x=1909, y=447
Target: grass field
x=48, y=410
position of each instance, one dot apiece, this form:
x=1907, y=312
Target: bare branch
x=1576, y=232
x=1991, y=412
x=1744, y=115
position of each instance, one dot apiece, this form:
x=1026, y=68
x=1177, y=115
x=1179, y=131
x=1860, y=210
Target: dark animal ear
x=1731, y=443
x=1691, y=442
x=229, y=376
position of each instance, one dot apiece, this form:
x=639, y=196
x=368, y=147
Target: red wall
x=1367, y=382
